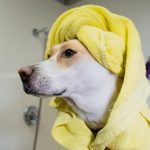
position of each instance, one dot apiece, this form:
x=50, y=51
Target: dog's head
x=70, y=70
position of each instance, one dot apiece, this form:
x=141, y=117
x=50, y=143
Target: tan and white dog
x=72, y=73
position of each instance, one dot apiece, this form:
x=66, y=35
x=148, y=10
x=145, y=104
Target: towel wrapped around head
x=114, y=42
x=96, y=30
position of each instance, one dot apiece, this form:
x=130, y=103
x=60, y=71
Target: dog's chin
x=44, y=94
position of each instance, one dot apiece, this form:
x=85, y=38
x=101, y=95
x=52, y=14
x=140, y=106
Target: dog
x=73, y=74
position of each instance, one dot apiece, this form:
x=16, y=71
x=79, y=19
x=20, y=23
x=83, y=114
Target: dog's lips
x=29, y=90
x=47, y=95
x=59, y=93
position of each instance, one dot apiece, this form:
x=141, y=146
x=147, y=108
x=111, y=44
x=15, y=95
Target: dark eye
x=68, y=53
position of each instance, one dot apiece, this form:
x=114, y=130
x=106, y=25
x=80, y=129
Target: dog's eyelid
x=68, y=49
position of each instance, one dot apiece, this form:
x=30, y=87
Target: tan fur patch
x=76, y=46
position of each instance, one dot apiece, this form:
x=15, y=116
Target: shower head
x=41, y=34
x=36, y=32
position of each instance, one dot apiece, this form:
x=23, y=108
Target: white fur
x=89, y=87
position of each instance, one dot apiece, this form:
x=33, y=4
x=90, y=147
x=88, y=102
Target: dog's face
x=70, y=70
x=72, y=73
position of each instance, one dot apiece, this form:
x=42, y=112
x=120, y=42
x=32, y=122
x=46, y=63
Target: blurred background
x=24, y=25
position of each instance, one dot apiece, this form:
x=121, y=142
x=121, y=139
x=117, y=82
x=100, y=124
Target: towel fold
x=114, y=42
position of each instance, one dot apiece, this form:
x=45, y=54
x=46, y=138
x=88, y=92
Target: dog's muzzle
x=35, y=84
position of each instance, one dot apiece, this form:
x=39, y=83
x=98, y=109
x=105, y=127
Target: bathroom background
x=18, y=47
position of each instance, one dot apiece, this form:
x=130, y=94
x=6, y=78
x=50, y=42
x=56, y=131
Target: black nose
x=25, y=73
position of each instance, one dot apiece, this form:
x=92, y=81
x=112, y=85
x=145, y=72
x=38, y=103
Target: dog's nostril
x=25, y=73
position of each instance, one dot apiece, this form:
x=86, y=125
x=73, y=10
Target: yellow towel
x=114, y=42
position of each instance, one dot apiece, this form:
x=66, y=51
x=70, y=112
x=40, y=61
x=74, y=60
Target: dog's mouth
x=37, y=93
x=59, y=93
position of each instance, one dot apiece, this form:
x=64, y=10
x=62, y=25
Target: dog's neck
x=94, y=105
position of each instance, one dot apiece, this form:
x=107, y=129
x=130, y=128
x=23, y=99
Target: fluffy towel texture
x=114, y=42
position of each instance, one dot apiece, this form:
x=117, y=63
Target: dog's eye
x=68, y=53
